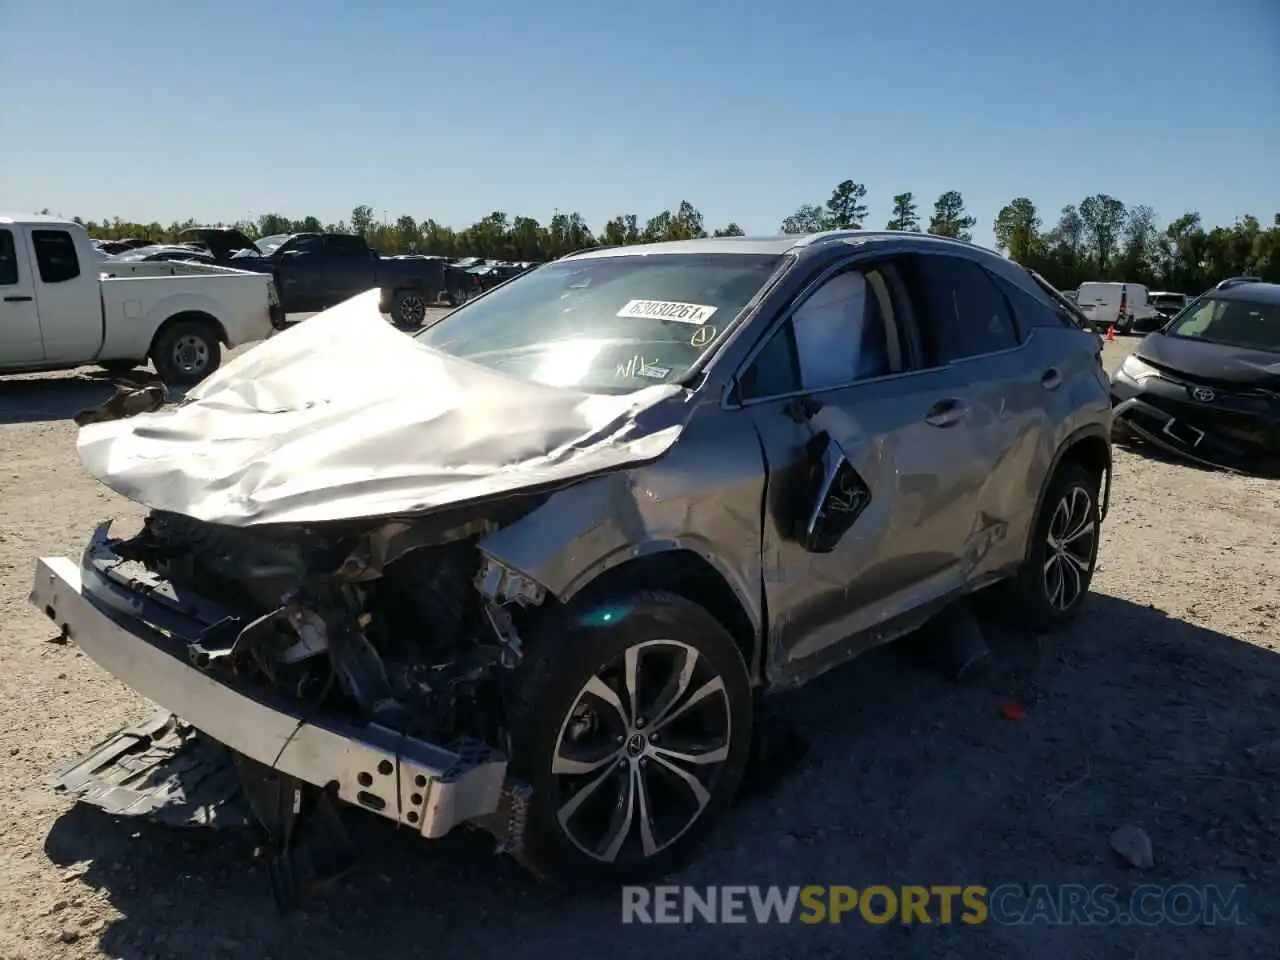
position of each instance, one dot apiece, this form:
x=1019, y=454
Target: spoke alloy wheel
x=1069, y=557
x=191, y=354
x=640, y=752
x=413, y=310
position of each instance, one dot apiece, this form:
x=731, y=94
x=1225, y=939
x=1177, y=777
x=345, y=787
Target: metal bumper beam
x=426, y=787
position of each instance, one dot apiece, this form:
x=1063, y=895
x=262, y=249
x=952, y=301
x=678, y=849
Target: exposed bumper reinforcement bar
x=1168, y=439
x=418, y=784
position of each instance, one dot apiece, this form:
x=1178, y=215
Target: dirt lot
x=1159, y=709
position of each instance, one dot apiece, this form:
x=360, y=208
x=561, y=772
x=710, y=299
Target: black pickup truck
x=315, y=271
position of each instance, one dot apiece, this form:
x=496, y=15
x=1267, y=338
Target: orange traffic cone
x=1111, y=333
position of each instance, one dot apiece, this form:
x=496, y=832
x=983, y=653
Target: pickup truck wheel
x=457, y=297
x=186, y=352
x=631, y=721
x=409, y=309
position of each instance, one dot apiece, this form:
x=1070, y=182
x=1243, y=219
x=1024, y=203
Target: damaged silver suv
x=531, y=569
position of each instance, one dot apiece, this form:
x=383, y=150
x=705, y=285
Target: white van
x=1100, y=302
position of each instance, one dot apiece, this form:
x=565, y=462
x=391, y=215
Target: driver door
x=872, y=477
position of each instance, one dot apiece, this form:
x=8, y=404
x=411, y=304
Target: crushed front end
x=1224, y=425
x=299, y=669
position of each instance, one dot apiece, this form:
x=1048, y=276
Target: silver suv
x=530, y=569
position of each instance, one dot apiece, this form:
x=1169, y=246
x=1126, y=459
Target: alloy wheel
x=413, y=310
x=1070, y=548
x=640, y=751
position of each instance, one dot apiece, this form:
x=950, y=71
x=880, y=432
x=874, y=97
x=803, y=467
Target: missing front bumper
x=1195, y=444
x=426, y=787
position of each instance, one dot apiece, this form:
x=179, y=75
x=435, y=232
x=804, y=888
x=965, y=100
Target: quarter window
x=1030, y=310
x=963, y=313
x=55, y=255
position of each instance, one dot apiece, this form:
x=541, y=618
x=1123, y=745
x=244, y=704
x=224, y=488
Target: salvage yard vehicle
x=531, y=569
x=1207, y=387
x=1120, y=305
x=315, y=271
x=62, y=305
x=1166, y=305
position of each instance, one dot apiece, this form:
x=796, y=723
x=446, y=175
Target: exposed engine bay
x=407, y=625
x=403, y=634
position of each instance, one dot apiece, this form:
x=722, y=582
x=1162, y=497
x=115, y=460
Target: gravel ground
x=1158, y=710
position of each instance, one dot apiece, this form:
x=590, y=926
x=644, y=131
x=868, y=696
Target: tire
x=1031, y=595
x=408, y=309
x=118, y=368
x=186, y=352
x=553, y=713
x=456, y=297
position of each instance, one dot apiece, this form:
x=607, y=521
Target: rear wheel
x=1052, y=586
x=186, y=352
x=409, y=309
x=632, y=724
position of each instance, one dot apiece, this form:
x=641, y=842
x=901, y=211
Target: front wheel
x=632, y=724
x=1052, y=586
x=186, y=352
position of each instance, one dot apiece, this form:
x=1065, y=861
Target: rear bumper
x=426, y=787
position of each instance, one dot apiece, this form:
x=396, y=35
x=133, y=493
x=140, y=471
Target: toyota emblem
x=1203, y=394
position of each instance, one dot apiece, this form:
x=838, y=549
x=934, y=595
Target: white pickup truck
x=63, y=306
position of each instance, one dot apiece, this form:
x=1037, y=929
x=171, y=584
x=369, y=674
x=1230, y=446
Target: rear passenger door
x=969, y=327
x=352, y=269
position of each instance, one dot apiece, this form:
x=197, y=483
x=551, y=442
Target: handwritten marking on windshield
x=702, y=336
x=638, y=366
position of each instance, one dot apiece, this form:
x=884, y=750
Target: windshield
x=608, y=324
x=1247, y=324
x=267, y=245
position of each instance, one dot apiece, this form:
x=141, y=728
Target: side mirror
x=835, y=496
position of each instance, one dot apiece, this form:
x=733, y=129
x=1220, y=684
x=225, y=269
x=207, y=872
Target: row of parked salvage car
x=315, y=271
x=536, y=568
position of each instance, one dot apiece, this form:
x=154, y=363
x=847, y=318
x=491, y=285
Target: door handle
x=18, y=299
x=1052, y=379
x=946, y=413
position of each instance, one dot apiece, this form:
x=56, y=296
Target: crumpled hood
x=344, y=417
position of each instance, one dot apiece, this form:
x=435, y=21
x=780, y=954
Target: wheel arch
x=679, y=567
x=1090, y=448
x=182, y=316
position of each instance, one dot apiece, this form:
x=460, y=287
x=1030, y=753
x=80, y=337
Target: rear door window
x=56, y=258
x=8, y=259
x=961, y=312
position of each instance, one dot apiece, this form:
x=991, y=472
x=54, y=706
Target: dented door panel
x=905, y=546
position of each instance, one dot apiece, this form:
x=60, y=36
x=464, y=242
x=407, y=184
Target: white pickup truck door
x=20, y=340
x=67, y=292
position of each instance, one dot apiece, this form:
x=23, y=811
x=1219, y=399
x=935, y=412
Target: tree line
x=1099, y=238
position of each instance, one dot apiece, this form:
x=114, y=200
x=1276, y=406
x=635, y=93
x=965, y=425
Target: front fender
x=705, y=496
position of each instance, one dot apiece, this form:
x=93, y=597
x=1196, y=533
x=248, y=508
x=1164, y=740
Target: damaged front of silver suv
x=321, y=599
x=527, y=570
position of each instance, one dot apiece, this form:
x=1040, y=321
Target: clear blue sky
x=214, y=109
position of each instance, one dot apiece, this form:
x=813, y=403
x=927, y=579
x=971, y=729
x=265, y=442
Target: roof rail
x=602, y=246
x=828, y=236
